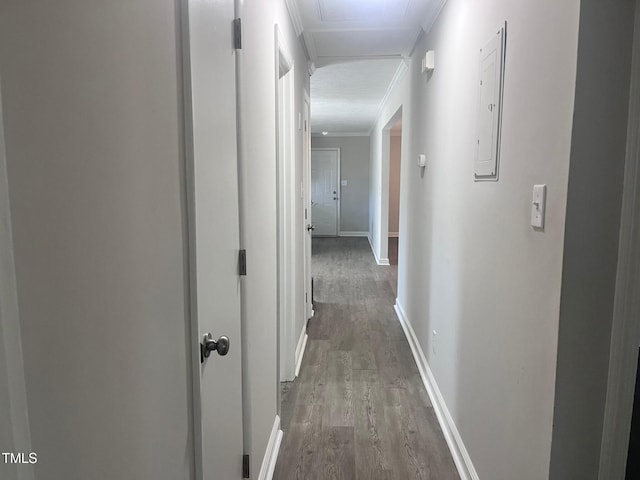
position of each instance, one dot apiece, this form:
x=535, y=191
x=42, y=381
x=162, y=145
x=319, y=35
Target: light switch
x=538, y=205
x=343, y=183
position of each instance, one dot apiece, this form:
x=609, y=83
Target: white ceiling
x=345, y=97
x=356, y=47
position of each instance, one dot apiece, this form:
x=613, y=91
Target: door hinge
x=245, y=465
x=237, y=33
x=242, y=262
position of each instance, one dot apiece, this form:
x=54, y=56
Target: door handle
x=310, y=227
x=208, y=345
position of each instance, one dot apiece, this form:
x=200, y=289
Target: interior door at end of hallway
x=218, y=375
x=325, y=173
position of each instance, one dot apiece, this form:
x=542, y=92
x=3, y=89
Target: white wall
x=258, y=213
x=91, y=104
x=354, y=168
x=470, y=265
x=394, y=183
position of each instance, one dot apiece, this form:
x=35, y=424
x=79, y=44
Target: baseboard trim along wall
x=353, y=234
x=271, y=454
x=379, y=261
x=459, y=452
x=300, y=348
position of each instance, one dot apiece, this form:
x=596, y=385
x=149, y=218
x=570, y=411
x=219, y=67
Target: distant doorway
x=393, y=216
x=325, y=202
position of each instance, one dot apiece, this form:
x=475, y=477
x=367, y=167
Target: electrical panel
x=490, y=107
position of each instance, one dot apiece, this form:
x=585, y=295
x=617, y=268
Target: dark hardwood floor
x=359, y=409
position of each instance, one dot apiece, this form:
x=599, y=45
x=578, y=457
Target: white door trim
x=625, y=333
x=338, y=207
x=382, y=254
x=306, y=188
x=194, y=334
x=286, y=201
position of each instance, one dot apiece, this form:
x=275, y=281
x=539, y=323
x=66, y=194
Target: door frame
x=285, y=211
x=625, y=332
x=189, y=186
x=338, y=180
x=306, y=189
x=385, y=167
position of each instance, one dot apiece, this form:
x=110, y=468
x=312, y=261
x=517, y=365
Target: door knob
x=208, y=345
x=310, y=227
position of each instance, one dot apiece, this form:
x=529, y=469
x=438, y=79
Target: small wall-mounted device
x=429, y=61
x=422, y=160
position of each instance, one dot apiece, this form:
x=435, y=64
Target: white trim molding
x=342, y=233
x=402, y=69
x=461, y=457
x=300, y=348
x=379, y=261
x=433, y=15
x=271, y=454
x=294, y=14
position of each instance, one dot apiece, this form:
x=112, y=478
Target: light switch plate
x=343, y=183
x=538, y=206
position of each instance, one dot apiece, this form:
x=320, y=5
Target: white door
x=308, y=220
x=218, y=400
x=325, y=168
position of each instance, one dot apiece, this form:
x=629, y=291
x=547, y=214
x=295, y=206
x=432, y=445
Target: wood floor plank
x=372, y=442
x=338, y=454
x=358, y=410
x=301, y=452
x=338, y=411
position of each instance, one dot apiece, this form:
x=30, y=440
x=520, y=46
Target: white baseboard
x=461, y=458
x=300, y=348
x=393, y=234
x=353, y=234
x=271, y=454
x=379, y=261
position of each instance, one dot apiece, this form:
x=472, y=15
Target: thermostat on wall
x=422, y=160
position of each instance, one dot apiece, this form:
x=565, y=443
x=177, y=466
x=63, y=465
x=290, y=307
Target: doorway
x=286, y=189
x=390, y=190
x=395, y=154
x=325, y=201
x=308, y=218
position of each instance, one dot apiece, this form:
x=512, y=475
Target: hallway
x=359, y=409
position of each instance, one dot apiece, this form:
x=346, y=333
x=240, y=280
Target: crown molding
x=397, y=78
x=433, y=15
x=294, y=14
